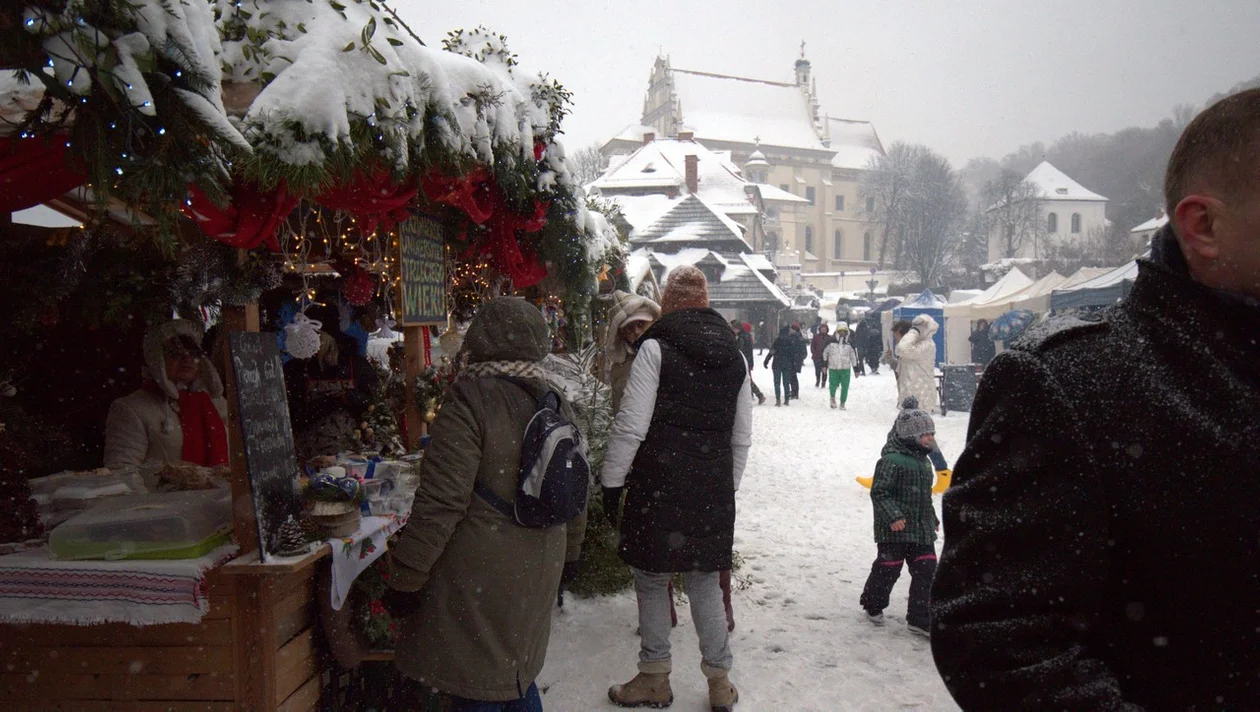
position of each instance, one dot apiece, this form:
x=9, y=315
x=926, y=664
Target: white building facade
x=1068, y=214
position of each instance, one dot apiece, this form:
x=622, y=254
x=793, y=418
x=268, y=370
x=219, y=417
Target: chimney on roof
x=648, y=137
x=692, y=173
x=686, y=136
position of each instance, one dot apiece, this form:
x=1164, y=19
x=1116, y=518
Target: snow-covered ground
x=804, y=529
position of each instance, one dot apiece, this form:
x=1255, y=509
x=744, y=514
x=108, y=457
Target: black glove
x=570, y=574
x=612, y=504
x=400, y=604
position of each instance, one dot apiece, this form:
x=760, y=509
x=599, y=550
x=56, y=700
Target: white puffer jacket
x=840, y=355
x=144, y=426
x=916, y=367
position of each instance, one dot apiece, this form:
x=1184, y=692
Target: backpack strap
x=504, y=507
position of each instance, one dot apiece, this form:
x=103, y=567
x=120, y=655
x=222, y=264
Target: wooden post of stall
x=413, y=344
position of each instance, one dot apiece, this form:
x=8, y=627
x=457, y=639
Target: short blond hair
x=1220, y=147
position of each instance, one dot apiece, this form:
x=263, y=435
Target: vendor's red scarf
x=205, y=438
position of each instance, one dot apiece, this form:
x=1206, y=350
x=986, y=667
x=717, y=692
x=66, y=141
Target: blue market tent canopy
x=1104, y=290
x=933, y=306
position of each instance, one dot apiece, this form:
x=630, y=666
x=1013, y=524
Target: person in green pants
x=841, y=359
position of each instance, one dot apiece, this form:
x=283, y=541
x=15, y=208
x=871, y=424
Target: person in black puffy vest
x=678, y=447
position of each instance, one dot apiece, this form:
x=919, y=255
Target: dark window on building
x=809, y=239
x=839, y=203
x=870, y=205
x=784, y=187
x=866, y=247
x=1052, y=222
x=837, y=248
x=809, y=194
x=1076, y=222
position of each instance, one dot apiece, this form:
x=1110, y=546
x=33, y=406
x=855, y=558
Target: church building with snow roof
x=777, y=136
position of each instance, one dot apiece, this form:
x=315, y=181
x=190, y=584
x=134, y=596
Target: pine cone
x=311, y=530
x=292, y=538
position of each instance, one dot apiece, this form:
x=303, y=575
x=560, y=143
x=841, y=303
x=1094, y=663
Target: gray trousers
x=707, y=613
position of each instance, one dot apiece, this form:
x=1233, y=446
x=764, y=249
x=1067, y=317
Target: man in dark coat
x=800, y=347
x=982, y=347
x=867, y=342
x=781, y=359
x=679, y=445
x=1101, y=547
x=744, y=339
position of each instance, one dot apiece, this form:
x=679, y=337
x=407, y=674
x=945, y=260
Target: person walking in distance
x=840, y=359
x=782, y=354
x=678, y=448
x=800, y=349
x=816, y=346
x=1101, y=547
x=744, y=339
x=905, y=520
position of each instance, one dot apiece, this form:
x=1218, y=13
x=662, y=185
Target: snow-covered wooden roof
x=727, y=108
x=661, y=165
x=1054, y=184
x=740, y=283
x=692, y=222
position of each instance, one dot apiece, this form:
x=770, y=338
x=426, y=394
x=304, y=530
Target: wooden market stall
x=192, y=155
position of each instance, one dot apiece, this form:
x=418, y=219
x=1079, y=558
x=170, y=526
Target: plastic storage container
x=163, y=525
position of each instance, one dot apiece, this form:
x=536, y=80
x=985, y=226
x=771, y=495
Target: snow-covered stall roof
x=1103, y=290
x=1034, y=297
x=1081, y=275
x=738, y=109
x=855, y=143
x=1151, y=225
x=1010, y=283
x=925, y=300
x=1054, y=184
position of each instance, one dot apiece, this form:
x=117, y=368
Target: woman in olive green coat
x=474, y=590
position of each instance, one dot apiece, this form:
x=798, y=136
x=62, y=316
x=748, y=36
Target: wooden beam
x=413, y=343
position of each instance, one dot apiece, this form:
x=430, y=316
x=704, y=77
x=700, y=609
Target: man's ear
x=1195, y=219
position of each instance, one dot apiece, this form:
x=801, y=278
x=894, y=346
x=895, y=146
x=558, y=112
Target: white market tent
x=1035, y=297
x=1103, y=290
x=958, y=316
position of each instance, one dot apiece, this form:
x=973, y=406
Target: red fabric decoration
x=34, y=171
x=372, y=198
x=518, y=262
x=205, y=437
x=428, y=347
x=357, y=284
x=474, y=193
x=249, y=220
x=539, y=149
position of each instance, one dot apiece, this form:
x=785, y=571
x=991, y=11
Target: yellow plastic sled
x=943, y=478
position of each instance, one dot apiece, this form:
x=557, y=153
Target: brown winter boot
x=722, y=694
x=650, y=688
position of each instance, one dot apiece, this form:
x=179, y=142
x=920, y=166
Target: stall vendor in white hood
x=178, y=413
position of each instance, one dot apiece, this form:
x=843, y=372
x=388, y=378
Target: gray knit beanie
x=913, y=422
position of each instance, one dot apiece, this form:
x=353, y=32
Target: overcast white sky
x=966, y=77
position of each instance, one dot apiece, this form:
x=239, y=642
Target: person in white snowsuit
x=916, y=363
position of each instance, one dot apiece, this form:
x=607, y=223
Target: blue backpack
x=554, y=475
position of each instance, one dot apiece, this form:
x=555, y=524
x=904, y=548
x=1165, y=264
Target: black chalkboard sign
x=423, y=272
x=959, y=386
x=265, y=432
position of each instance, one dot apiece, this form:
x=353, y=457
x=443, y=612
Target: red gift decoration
x=249, y=220
x=474, y=194
x=34, y=171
